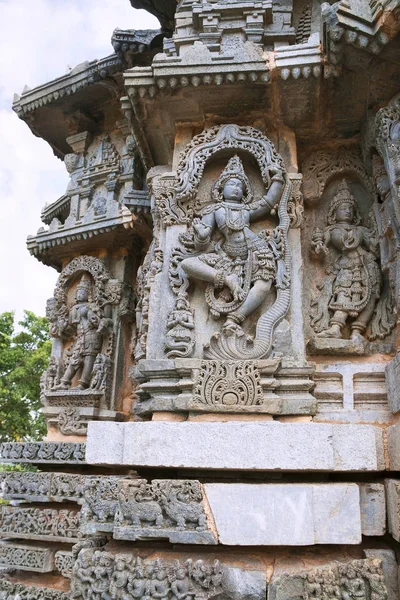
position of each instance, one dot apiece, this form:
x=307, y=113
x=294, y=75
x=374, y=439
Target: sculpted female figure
x=355, y=280
x=242, y=265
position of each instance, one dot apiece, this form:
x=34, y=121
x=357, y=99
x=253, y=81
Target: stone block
x=26, y=558
x=285, y=514
x=373, y=508
x=393, y=442
x=393, y=507
x=337, y=514
x=393, y=383
x=389, y=566
x=265, y=446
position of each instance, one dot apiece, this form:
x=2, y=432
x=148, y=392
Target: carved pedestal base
x=329, y=346
x=74, y=397
x=235, y=387
x=74, y=420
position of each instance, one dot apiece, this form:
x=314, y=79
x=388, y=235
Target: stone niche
x=215, y=288
x=88, y=317
x=348, y=302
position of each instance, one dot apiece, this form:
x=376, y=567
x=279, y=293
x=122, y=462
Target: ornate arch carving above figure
x=174, y=200
x=106, y=290
x=242, y=266
x=321, y=166
x=385, y=121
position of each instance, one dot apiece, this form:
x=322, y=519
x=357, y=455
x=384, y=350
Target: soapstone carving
x=99, y=574
x=36, y=523
x=10, y=590
x=352, y=287
x=43, y=452
x=240, y=267
x=228, y=383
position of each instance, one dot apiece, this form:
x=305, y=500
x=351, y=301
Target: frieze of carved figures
x=10, y=590
x=38, y=523
x=360, y=579
x=321, y=166
x=228, y=383
x=170, y=509
x=100, y=503
x=46, y=487
x=241, y=268
x=43, y=452
x=350, y=292
x=100, y=574
x=135, y=508
x=86, y=325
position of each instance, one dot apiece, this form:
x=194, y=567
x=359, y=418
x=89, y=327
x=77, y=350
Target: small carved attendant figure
x=354, y=278
x=91, y=326
x=242, y=265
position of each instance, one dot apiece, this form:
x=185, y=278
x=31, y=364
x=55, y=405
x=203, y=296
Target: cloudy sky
x=39, y=41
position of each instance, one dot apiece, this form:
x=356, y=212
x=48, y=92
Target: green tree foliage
x=24, y=355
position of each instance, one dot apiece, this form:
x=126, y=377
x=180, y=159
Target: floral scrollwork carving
x=321, y=166
x=228, y=383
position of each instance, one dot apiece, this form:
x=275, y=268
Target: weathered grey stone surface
x=373, y=508
x=237, y=445
x=393, y=383
x=285, y=515
x=26, y=558
x=393, y=507
x=390, y=568
x=361, y=579
x=393, y=442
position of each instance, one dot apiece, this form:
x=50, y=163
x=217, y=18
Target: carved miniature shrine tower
x=223, y=393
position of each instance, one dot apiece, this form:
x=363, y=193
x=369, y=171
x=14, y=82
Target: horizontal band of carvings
x=42, y=487
x=134, y=509
x=81, y=76
x=26, y=558
x=43, y=452
x=362, y=579
x=210, y=386
x=39, y=524
x=43, y=241
x=129, y=576
x=20, y=591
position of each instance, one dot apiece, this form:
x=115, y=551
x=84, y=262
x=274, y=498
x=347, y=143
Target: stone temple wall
x=223, y=395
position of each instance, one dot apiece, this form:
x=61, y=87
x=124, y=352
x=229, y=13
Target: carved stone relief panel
x=170, y=509
x=42, y=487
x=135, y=509
x=27, y=558
x=350, y=305
x=84, y=315
x=129, y=576
x=221, y=259
x=362, y=579
x=43, y=452
x=19, y=591
x=39, y=524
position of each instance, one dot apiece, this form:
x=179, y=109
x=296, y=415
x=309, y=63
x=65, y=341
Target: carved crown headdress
x=85, y=283
x=233, y=170
x=343, y=196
